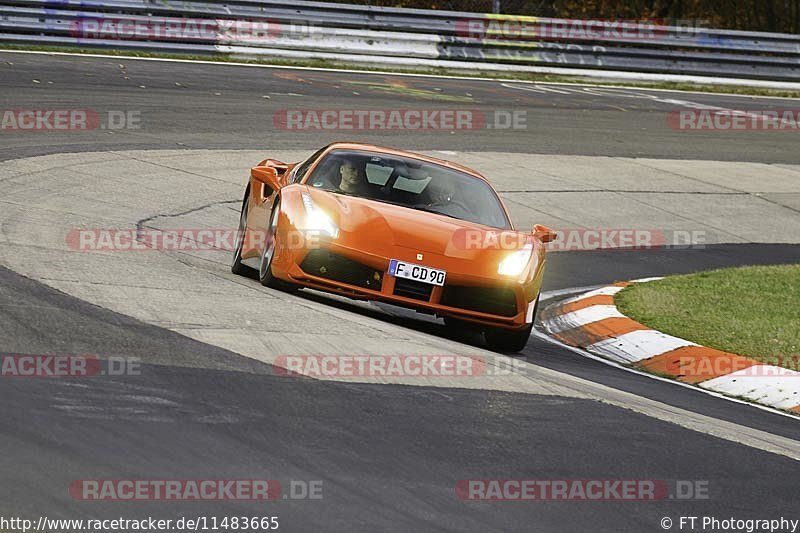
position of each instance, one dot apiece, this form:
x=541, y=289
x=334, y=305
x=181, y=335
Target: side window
x=302, y=168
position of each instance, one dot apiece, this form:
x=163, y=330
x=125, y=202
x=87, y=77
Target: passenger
x=439, y=194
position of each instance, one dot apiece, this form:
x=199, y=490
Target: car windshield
x=410, y=183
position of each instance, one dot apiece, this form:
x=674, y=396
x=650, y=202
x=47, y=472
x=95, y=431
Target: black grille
x=325, y=264
x=412, y=289
x=491, y=300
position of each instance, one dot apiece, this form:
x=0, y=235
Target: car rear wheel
x=237, y=267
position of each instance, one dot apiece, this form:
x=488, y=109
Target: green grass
x=750, y=311
x=320, y=63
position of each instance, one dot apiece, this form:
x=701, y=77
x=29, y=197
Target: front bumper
x=343, y=271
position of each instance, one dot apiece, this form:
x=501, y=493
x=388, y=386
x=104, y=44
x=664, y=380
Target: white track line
x=602, y=291
x=550, y=295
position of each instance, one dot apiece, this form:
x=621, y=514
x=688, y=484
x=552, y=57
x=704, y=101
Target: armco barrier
x=367, y=34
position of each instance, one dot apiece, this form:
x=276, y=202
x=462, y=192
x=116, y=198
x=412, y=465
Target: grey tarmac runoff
x=390, y=453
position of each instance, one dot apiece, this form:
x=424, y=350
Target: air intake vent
x=325, y=264
x=491, y=300
x=412, y=289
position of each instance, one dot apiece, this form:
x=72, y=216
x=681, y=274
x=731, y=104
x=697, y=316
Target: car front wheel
x=268, y=254
x=503, y=340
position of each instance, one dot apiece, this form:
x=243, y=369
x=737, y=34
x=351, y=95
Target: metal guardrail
x=367, y=34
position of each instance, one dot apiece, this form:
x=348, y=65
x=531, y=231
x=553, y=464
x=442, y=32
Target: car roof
x=404, y=153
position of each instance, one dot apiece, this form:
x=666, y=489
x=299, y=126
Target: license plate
x=421, y=273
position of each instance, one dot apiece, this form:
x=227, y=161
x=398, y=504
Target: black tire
x=503, y=340
x=459, y=326
x=268, y=253
x=237, y=267
x=462, y=330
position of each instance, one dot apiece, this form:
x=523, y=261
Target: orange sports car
x=380, y=224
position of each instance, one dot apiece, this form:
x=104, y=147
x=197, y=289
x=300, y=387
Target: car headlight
x=317, y=219
x=515, y=263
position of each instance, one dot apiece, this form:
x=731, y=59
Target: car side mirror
x=544, y=234
x=266, y=175
x=279, y=166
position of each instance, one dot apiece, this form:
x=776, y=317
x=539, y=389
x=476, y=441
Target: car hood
x=368, y=224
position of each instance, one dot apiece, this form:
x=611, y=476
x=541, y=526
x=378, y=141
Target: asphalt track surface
x=217, y=106
x=389, y=456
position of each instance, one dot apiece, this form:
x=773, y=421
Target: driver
x=353, y=178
